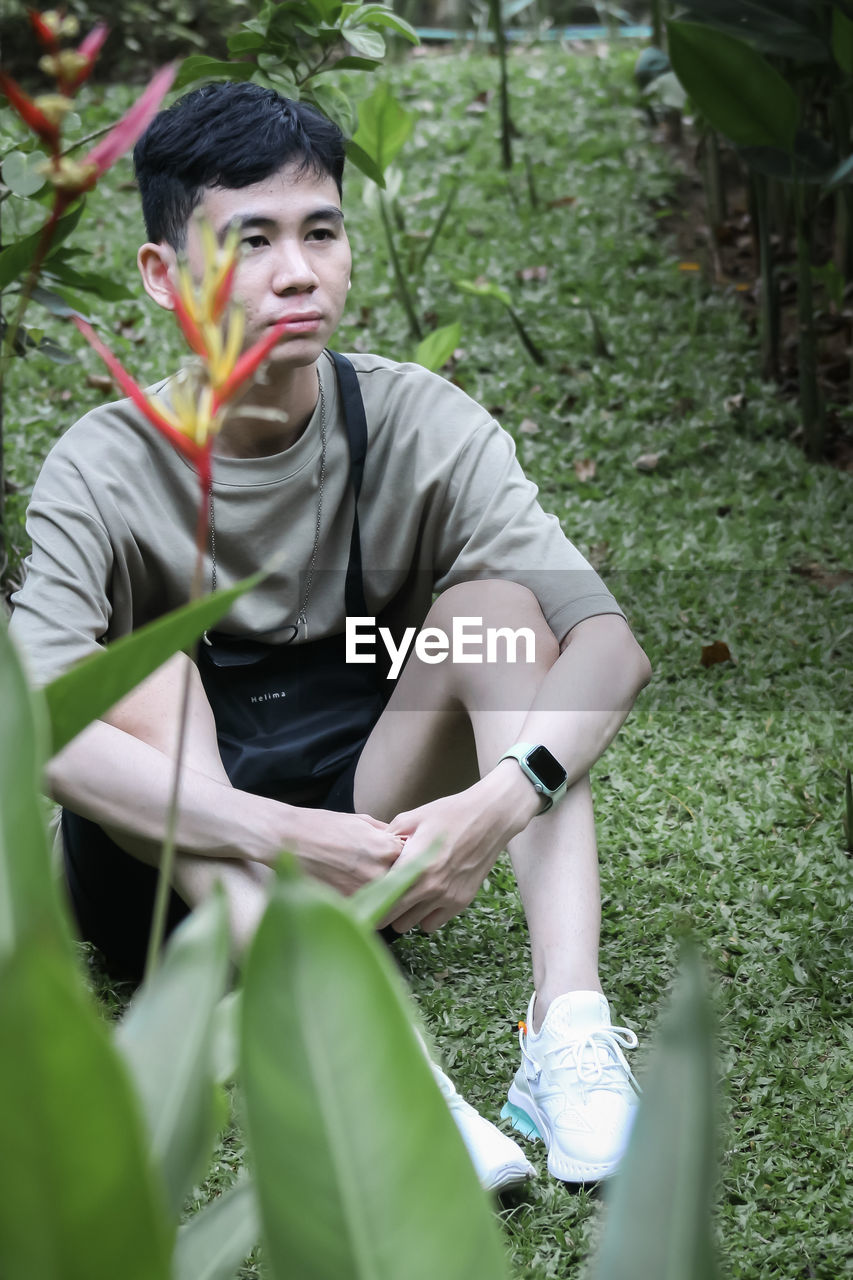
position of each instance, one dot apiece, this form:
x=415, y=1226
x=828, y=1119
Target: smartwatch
x=544, y=771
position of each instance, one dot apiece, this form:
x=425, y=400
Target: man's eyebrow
x=326, y=213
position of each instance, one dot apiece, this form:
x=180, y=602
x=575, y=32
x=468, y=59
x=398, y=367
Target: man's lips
x=298, y=322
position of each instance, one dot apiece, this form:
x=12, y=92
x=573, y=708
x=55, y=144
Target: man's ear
x=157, y=264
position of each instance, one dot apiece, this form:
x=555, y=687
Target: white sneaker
x=498, y=1160
x=574, y=1088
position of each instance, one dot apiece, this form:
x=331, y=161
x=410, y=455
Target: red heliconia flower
x=31, y=114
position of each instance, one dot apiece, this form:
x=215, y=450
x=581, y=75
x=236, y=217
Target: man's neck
x=272, y=415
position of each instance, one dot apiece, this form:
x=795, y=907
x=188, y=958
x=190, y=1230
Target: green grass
x=720, y=803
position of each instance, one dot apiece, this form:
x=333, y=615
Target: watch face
x=549, y=770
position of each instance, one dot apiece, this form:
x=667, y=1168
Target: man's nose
x=293, y=269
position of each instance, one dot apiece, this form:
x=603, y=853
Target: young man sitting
x=292, y=742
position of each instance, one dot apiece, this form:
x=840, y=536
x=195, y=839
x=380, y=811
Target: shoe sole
x=518, y=1111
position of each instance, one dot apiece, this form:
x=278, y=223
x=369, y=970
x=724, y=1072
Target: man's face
x=295, y=260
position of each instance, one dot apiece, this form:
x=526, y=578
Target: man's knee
x=497, y=622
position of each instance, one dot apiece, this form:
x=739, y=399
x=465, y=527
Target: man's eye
x=253, y=242
x=321, y=233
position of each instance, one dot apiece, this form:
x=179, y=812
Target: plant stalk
x=403, y=291
x=167, y=855
x=500, y=44
x=811, y=407
x=769, y=310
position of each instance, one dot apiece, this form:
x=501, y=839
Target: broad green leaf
x=80, y=695
x=366, y=42
x=365, y=163
x=27, y=891
x=53, y=303
x=782, y=28
x=348, y=63
x=225, y=1049
x=166, y=1038
x=360, y=1170
x=198, y=66
x=21, y=172
x=437, y=348
x=62, y=272
x=334, y=103
x=383, y=126
x=78, y=1199
x=658, y=1219
x=372, y=902
x=245, y=42
x=217, y=1240
x=842, y=42
x=16, y=259
x=736, y=89
x=375, y=15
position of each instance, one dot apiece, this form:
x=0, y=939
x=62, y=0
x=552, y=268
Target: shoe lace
x=597, y=1057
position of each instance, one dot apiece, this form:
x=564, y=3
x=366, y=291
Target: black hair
x=226, y=135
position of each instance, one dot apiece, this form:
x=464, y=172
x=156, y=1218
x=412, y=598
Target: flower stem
x=167, y=856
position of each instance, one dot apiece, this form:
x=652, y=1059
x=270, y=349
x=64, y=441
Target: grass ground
x=720, y=804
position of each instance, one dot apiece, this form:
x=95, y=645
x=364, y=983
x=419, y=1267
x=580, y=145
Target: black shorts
x=112, y=894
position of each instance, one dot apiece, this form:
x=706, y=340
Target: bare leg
x=447, y=724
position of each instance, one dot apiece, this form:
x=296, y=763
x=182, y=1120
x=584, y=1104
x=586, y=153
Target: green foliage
x=658, y=1218
x=78, y=1199
x=438, y=346
x=291, y=46
x=735, y=88
x=342, y=1131
x=94, y=685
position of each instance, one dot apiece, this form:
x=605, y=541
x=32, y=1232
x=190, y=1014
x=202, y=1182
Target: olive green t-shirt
x=113, y=518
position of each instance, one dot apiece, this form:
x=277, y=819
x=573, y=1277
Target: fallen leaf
x=100, y=382
x=689, y=266
x=584, y=468
x=717, y=652
x=647, y=461
x=561, y=202
x=828, y=578
x=529, y=427
x=735, y=404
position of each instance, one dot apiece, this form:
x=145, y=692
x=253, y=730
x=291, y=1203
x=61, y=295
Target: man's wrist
x=514, y=796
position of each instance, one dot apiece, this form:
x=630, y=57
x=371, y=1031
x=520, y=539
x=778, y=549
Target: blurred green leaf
x=485, y=289
x=166, y=1038
x=781, y=28
x=78, y=1200
x=360, y=1170
x=21, y=172
x=366, y=42
x=438, y=346
x=16, y=259
x=372, y=902
x=842, y=41
x=658, y=1217
x=198, y=66
x=27, y=891
x=383, y=126
x=217, y=1240
x=736, y=89
x=365, y=163
x=80, y=695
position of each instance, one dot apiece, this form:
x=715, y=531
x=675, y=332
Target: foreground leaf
x=360, y=1170
x=216, y=1241
x=167, y=1037
x=27, y=893
x=735, y=88
x=80, y=695
x=78, y=1200
x=658, y=1222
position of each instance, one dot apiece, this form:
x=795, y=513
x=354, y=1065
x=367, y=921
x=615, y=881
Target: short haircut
x=226, y=135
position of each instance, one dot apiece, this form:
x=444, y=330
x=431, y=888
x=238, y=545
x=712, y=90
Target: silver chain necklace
x=302, y=616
